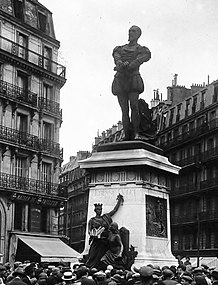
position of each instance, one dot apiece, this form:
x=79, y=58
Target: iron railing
x=30, y=141
x=32, y=57
x=13, y=182
x=192, y=133
x=12, y=91
x=183, y=189
x=50, y=106
x=193, y=218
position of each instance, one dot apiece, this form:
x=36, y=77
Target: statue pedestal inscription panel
x=142, y=176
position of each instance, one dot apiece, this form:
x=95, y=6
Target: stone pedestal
x=140, y=173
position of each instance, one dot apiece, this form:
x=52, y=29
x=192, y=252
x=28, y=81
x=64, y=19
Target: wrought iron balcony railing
x=193, y=218
x=32, y=57
x=13, y=182
x=192, y=133
x=30, y=141
x=183, y=189
x=210, y=182
x=12, y=91
x=50, y=106
x=188, y=160
x=184, y=219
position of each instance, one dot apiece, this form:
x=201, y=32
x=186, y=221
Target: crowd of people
x=30, y=273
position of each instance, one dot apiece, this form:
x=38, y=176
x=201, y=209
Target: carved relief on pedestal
x=156, y=216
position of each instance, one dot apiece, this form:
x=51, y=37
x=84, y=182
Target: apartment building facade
x=73, y=217
x=30, y=118
x=188, y=133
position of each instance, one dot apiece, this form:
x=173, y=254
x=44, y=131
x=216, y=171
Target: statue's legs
x=124, y=105
x=135, y=117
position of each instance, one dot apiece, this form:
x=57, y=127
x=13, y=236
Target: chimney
x=175, y=80
x=82, y=154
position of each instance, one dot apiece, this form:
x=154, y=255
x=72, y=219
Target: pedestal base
x=141, y=175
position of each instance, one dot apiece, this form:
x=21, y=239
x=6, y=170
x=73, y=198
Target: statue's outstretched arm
x=120, y=201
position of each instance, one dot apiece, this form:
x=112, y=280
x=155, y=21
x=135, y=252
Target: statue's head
x=134, y=33
x=114, y=227
x=98, y=208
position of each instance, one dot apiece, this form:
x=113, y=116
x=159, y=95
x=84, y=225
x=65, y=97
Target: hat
x=197, y=269
x=146, y=271
x=214, y=274
x=43, y=275
x=68, y=275
x=81, y=271
x=110, y=267
x=167, y=273
x=186, y=277
x=18, y=271
x=117, y=278
x=100, y=274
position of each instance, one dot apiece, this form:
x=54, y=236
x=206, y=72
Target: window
x=48, y=133
x=171, y=117
x=42, y=21
x=192, y=125
x=200, y=121
x=18, y=9
x=215, y=95
x=212, y=115
x=47, y=92
x=21, y=166
x=187, y=107
x=46, y=172
x=37, y=218
x=22, y=83
x=47, y=58
x=18, y=216
x=22, y=41
x=202, y=100
x=185, y=129
x=22, y=123
x=176, y=133
x=179, y=107
x=195, y=100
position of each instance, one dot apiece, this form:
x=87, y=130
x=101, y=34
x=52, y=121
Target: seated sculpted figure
x=98, y=229
x=115, y=247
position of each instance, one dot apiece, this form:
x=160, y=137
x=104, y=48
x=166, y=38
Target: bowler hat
x=146, y=271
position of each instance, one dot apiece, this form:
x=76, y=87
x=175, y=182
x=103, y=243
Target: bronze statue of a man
x=127, y=83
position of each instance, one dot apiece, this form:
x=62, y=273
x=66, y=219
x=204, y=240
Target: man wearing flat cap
x=146, y=275
x=214, y=277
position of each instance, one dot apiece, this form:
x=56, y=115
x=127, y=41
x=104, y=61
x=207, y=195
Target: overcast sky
x=182, y=36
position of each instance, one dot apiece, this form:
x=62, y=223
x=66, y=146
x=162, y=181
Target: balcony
x=209, y=183
x=17, y=183
x=183, y=219
x=189, y=135
x=33, y=58
x=11, y=91
x=193, y=218
x=50, y=147
x=183, y=189
x=29, y=141
x=50, y=106
x=188, y=160
x=210, y=154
